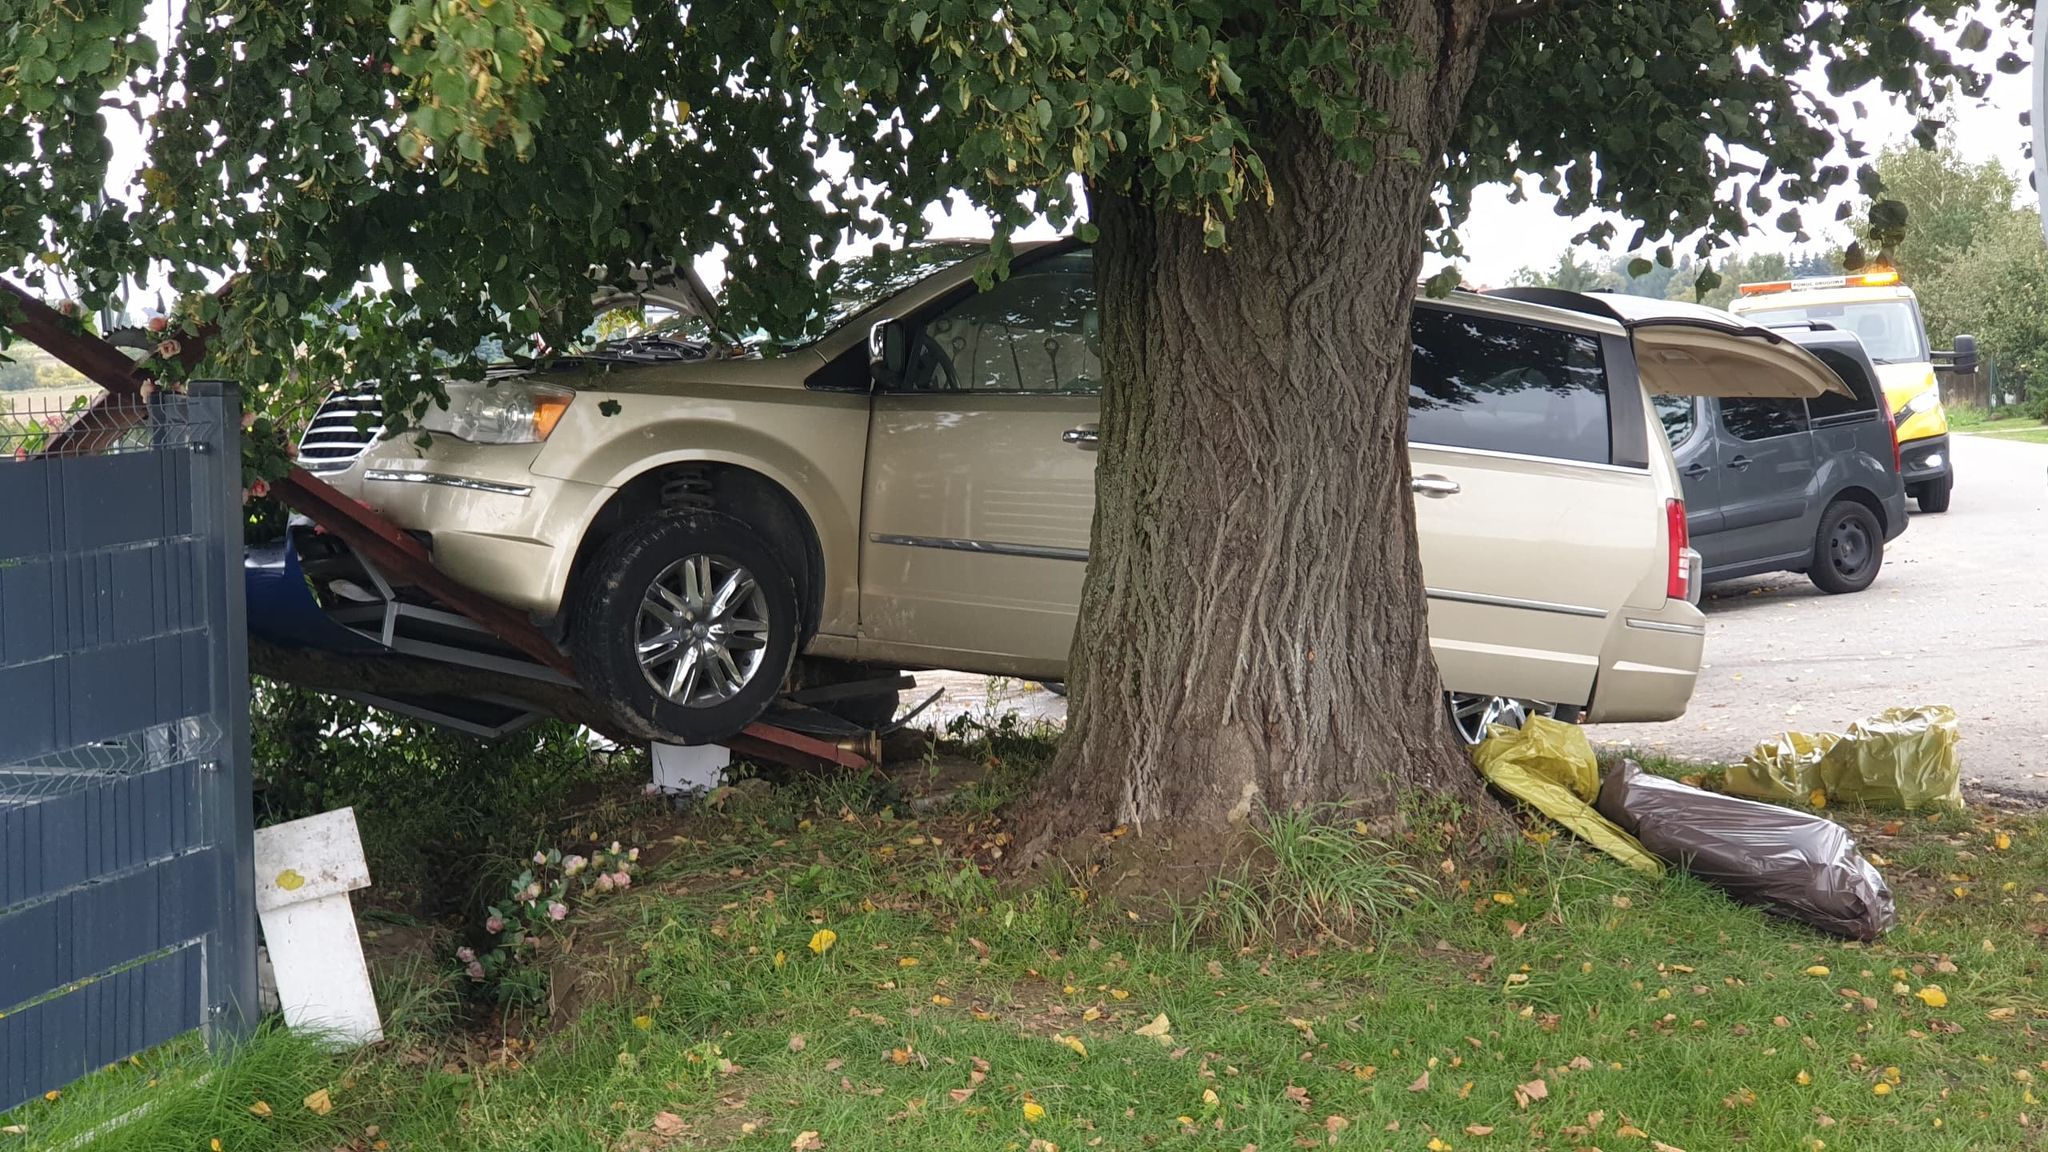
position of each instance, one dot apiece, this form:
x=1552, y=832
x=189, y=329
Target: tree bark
x=1253, y=630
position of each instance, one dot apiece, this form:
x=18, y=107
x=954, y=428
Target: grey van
x=1775, y=485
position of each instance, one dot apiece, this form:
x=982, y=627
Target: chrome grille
x=333, y=441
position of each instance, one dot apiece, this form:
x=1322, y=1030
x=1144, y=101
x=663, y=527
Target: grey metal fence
x=127, y=912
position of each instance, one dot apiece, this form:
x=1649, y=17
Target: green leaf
x=1639, y=268
x=918, y=20
x=402, y=20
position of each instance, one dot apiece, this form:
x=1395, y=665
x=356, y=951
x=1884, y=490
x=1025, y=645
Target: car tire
x=1933, y=495
x=1848, y=549
x=685, y=626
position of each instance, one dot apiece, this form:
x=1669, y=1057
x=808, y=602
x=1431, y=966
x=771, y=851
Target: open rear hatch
x=1691, y=350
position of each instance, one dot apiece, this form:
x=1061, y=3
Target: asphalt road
x=1958, y=616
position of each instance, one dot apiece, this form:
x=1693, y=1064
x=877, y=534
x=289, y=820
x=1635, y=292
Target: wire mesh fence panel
x=126, y=902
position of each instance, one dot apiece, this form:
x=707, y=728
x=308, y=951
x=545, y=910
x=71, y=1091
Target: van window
x=1855, y=376
x=1506, y=386
x=1676, y=414
x=1760, y=418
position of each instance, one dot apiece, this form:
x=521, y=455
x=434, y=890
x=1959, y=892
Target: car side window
x=1760, y=418
x=1855, y=376
x=1676, y=413
x=1034, y=332
x=1507, y=386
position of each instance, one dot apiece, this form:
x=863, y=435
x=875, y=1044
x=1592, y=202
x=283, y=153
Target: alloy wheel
x=1472, y=715
x=702, y=630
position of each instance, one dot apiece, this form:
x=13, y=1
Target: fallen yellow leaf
x=1881, y=1088
x=780, y=958
x=1478, y=1129
x=290, y=880
x=259, y=1108
x=1818, y=798
x=1033, y=1112
x=942, y=1000
x=906, y=961
x=1073, y=1042
x=320, y=1103
x=1817, y=970
x=2003, y=841
x=1503, y=898
x=52, y=1095
x=821, y=942
x=1933, y=996
x=643, y=1022
x=1159, y=1029
x=807, y=1141
x=1436, y=1145
x=1804, y=1078
x=214, y=1144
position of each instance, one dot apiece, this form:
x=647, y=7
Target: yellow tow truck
x=1884, y=314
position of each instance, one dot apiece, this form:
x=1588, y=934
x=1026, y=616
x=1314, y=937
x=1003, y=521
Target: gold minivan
x=914, y=488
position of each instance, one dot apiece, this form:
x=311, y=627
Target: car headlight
x=1929, y=399
x=506, y=412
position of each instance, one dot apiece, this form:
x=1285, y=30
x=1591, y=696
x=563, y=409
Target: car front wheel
x=685, y=627
x=1932, y=496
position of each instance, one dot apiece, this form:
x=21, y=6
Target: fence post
x=233, y=1005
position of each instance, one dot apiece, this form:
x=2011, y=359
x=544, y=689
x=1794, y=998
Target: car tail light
x=1891, y=425
x=1677, y=580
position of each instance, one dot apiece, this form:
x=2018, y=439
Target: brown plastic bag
x=1794, y=864
x=1900, y=758
x=1785, y=768
x=1545, y=765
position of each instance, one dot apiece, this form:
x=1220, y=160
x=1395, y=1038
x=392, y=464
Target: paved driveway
x=1959, y=616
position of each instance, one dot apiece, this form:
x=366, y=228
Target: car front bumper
x=495, y=524
x=1925, y=459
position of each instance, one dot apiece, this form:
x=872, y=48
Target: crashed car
x=914, y=488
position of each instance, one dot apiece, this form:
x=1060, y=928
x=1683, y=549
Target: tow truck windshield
x=1889, y=329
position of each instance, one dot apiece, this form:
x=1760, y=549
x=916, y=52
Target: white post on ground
x=304, y=872
x=680, y=769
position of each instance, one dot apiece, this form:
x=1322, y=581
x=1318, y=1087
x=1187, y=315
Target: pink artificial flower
x=147, y=390
x=466, y=955
x=248, y=420
x=540, y=859
x=650, y=789
x=633, y=855
x=571, y=865
x=532, y=892
x=603, y=883
x=260, y=488
x=615, y=848
x=21, y=455
x=169, y=349
x=494, y=925
x=68, y=308
x=557, y=910
x=475, y=970
x=159, y=323
x=622, y=879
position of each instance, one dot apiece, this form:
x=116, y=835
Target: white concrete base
x=304, y=873
x=680, y=770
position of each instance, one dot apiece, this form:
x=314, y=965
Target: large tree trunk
x=1253, y=629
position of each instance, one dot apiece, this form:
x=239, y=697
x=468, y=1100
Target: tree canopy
x=388, y=186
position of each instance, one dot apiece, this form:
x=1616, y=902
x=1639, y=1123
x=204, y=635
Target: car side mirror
x=888, y=353
x=1963, y=360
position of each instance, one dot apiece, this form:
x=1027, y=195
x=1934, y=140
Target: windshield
x=1889, y=329
x=865, y=281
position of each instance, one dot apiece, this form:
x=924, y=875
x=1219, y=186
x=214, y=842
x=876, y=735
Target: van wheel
x=1472, y=715
x=1933, y=495
x=1848, y=550
x=685, y=626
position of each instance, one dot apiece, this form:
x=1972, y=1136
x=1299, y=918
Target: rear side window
x=1676, y=414
x=1760, y=418
x=1505, y=386
x=1852, y=374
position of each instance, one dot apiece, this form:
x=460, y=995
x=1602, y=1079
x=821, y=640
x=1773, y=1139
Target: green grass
x=2033, y=432
x=935, y=1019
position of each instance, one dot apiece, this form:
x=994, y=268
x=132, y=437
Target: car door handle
x=1086, y=437
x=1695, y=471
x=1740, y=462
x=1435, y=487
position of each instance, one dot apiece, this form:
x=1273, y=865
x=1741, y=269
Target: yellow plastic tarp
x=1549, y=765
x=1784, y=769
x=1900, y=758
